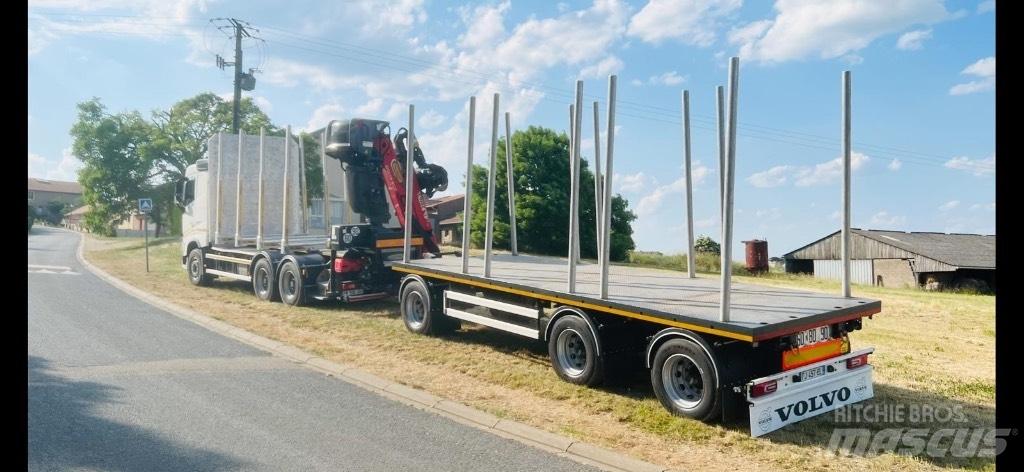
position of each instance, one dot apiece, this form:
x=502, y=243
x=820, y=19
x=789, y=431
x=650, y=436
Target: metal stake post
x=326, y=186
x=467, y=204
x=574, y=189
x=238, y=192
x=847, y=154
x=284, y=196
x=216, y=218
x=259, y=200
x=734, y=65
x=491, y=179
x=691, y=259
x=509, y=173
x=608, y=173
x=409, y=175
x=598, y=181
x=145, y=231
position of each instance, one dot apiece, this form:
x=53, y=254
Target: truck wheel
x=419, y=313
x=685, y=380
x=290, y=284
x=263, y=281
x=572, y=347
x=197, y=268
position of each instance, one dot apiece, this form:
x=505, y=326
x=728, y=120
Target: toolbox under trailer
x=710, y=345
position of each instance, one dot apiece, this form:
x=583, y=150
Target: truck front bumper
x=795, y=400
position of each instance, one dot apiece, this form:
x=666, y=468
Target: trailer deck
x=661, y=296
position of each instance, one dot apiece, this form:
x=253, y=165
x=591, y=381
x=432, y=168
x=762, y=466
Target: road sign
x=145, y=205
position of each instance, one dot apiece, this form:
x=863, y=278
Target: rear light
x=764, y=388
x=858, y=361
x=342, y=264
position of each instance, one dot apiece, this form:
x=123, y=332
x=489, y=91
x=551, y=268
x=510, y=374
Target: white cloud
x=949, y=205
x=913, y=40
x=828, y=172
x=835, y=215
x=602, y=69
x=773, y=177
x=895, y=165
x=290, y=73
x=768, y=214
x=429, y=120
x=985, y=70
x=828, y=30
x=667, y=78
x=984, y=206
x=263, y=103
x=692, y=22
x=631, y=182
x=485, y=25
x=986, y=6
x=651, y=203
x=978, y=167
x=65, y=169
x=884, y=220
x=323, y=115
x=371, y=108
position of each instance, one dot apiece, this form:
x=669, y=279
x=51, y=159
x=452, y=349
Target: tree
x=31, y=217
x=117, y=158
x=707, y=245
x=54, y=212
x=541, y=169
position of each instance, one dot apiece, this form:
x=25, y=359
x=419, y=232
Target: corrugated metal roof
x=56, y=186
x=956, y=249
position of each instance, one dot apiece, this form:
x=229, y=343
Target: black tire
x=685, y=380
x=263, y=283
x=195, y=266
x=289, y=284
x=419, y=312
x=572, y=347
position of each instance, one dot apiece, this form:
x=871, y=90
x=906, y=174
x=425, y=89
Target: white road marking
x=49, y=269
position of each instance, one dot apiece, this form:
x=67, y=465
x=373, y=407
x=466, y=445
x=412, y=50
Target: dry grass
x=930, y=348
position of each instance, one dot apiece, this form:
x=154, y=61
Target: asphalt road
x=115, y=384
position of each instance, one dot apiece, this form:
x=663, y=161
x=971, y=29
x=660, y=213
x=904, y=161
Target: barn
x=902, y=259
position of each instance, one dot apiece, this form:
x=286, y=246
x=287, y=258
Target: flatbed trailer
x=712, y=347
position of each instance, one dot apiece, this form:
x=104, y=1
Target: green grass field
x=931, y=349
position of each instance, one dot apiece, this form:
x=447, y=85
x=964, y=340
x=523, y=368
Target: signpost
x=145, y=207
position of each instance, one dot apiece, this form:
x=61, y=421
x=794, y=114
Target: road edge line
x=584, y=453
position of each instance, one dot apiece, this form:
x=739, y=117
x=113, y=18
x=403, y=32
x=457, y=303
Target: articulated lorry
x=245, y=213
x=712, y=348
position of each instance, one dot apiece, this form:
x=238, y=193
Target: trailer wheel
x=290, y=284
x=263, y=281
x=197, y=268
x=419, y=313
x=572, y=347
x=684, y=380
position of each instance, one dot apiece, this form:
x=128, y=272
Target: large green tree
x=117, y=163
x=146, y=158
x=540, y=161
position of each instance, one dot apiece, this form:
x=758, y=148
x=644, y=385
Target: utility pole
x=242, y=80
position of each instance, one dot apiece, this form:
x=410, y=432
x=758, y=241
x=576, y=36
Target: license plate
x=357, y=291
x=813, y=336
x=812, y=373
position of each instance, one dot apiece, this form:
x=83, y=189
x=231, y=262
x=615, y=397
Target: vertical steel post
x=691, y=259
x=598, y=180
x=284, y=195
x=847, y=155
x=410, y=146
x=491, y=179
x=326, y=186
x=574, y=188
x=259, y=198
x=216, y=218
x=608, y=175
x=734, y=82
x=238, y=191
x=720, y=100
x=304, y=206
x=467, y=202
x=510, y=176
x=572, y=172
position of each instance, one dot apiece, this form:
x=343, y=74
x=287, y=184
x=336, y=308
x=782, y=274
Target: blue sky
x=923, y=101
